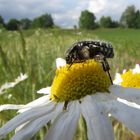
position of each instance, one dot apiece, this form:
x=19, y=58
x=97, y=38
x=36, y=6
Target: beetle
x=84, y=50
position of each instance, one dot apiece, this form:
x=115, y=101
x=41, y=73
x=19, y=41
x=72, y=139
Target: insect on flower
x=84, y=50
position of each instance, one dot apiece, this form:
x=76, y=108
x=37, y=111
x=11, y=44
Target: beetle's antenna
x=70, y=65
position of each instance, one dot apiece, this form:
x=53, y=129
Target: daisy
x=82, y=90
x=8, y=85
x=130, y=78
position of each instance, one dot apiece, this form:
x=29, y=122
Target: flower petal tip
x=60, y=62
x=46, y=90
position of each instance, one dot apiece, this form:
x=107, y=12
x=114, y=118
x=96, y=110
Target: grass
x=34, y=52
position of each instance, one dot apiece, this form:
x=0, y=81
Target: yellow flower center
x=130, y=79
x=79, y=80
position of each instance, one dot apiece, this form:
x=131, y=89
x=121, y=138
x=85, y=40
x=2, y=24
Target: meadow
x=34, y=52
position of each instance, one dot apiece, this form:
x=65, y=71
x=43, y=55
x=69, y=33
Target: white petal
x=12, y=84
x=102, y=97
x=65, y=125
x=131, y=104
x=127, y=115
x=20, y=78
x=29, y=129
x=124, y=71
x=118, y=79
x=136, y=69
x=42, y=101
x=6, y=86
x=98, y=125
x=10, y=106
x=130, y=94
x=46, y=90
x=60, y=62
x=24, y=117
x=23, y=76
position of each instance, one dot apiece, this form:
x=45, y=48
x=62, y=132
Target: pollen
x=79, y=80
x=130, y=79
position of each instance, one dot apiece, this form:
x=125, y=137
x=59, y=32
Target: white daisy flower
x=21, y=77
x=84, y=89
x=130, y=78
x=8, y=85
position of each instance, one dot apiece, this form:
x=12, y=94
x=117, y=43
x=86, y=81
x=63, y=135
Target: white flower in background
x=129, y=78
x=118, y=79
x=19, y=79
x=85, y=90
x=136, y=69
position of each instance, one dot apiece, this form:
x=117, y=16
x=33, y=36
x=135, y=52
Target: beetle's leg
x=99, y=58
x=105, y=65
x=106, y=68
x=110, y=77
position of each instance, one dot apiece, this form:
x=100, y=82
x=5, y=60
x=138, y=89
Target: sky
x=64, y=12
